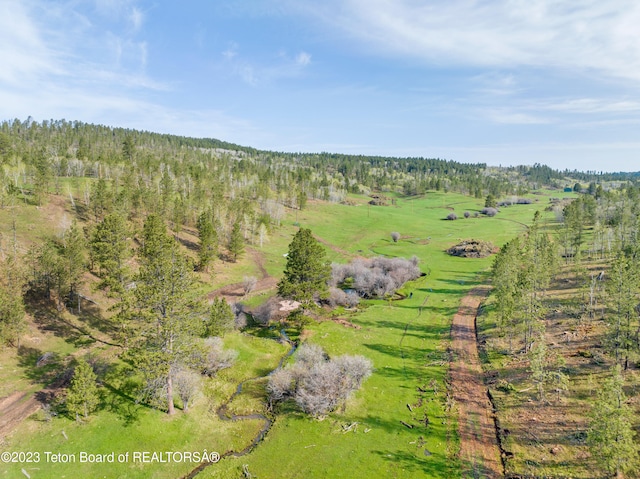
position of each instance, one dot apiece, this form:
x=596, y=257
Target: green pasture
x=405, y=339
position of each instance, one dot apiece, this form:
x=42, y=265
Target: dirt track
x=234, y=292
x=479, y=452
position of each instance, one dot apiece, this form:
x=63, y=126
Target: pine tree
x=110, y=251
x=168, y=320
x=622, y=286
x=490, y=201
x=221, y=318
x=12, y=314
x=236, y=242
x=82, y=396
x=610, y=434
x=208, y=241
x=42, y=176
x=128, y=148
x=73, y=260
x=307, y=270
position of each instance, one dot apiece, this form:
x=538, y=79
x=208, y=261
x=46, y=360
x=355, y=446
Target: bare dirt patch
x=234, y=292
x=479, y=451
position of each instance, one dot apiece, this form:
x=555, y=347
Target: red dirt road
x=479, y=452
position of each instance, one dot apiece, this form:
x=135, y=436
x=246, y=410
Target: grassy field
x=406, y=341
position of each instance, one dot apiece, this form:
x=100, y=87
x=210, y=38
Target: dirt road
x=479, y=452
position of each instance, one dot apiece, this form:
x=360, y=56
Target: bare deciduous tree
x=248, y=284
x=187, y=384
x=217, y=357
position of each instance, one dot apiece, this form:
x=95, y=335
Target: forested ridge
x=158, y=270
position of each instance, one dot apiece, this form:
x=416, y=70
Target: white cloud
x=303, y=59
x=24, y=54
x=136, y=17
x=507, y=116
x=590, y=35
x=231, y=52
x=255, y=72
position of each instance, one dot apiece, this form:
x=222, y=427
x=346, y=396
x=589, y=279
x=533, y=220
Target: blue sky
x=495, y=81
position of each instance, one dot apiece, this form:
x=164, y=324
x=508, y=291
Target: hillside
x=92, y=217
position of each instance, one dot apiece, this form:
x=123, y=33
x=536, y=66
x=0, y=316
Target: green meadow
x=382, y=431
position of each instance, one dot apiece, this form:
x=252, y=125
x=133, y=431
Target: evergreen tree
x=110, y=251
x=221, y=318
x=307, y=270
x=208, y=241
x=12, y=314
x=622, y=293
x=42, y=176
x=610, y=434
x=490, y=201
x=236, y=242
x=128, y=148
x=100, y=198
x=82, y=396
x=73, y=260
x=168, y=319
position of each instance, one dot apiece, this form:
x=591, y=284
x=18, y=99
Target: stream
x=224, y=415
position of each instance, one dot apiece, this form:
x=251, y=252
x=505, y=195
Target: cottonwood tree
x=610, y=435
x=82, y=396
x=168, y=320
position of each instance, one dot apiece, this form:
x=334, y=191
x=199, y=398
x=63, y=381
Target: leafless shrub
x=240, y=321
x=395, y=236
x=318, y=385
x=217, y=357
x=248, y=284
x=263, y=313
x=281, y=384
x=355, y=369
x=373, y=277
x=338, y=297
x=187, y=384
x=309, y=354
x=452, y=216
x=488, y=211
x=319, y=392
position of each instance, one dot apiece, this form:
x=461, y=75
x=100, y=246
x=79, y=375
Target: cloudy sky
x=496, y=81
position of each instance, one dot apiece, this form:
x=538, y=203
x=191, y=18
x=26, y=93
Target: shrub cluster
x=452, y=216
x=316, y=383
x=217, y=358
x=339, y=297
x=515, y=201
x=489, y=211
x=375, y=277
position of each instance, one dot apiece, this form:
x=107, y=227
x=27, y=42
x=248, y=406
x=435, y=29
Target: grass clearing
x=406, y=341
